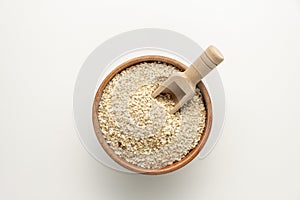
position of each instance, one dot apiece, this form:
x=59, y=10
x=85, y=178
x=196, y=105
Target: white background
x=43, y=44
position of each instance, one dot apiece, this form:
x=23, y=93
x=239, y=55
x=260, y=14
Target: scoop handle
x=206, y=62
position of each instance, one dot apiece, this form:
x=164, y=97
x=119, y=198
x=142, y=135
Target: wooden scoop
x=182, y=85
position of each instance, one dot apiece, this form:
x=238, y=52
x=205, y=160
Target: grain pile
x=139, y=128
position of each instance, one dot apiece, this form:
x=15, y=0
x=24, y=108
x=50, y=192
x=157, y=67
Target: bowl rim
x=176, y=165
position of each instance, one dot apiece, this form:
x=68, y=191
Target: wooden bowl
x=176, y=165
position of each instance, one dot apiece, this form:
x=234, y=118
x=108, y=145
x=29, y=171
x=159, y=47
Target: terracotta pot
x=176, y=165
